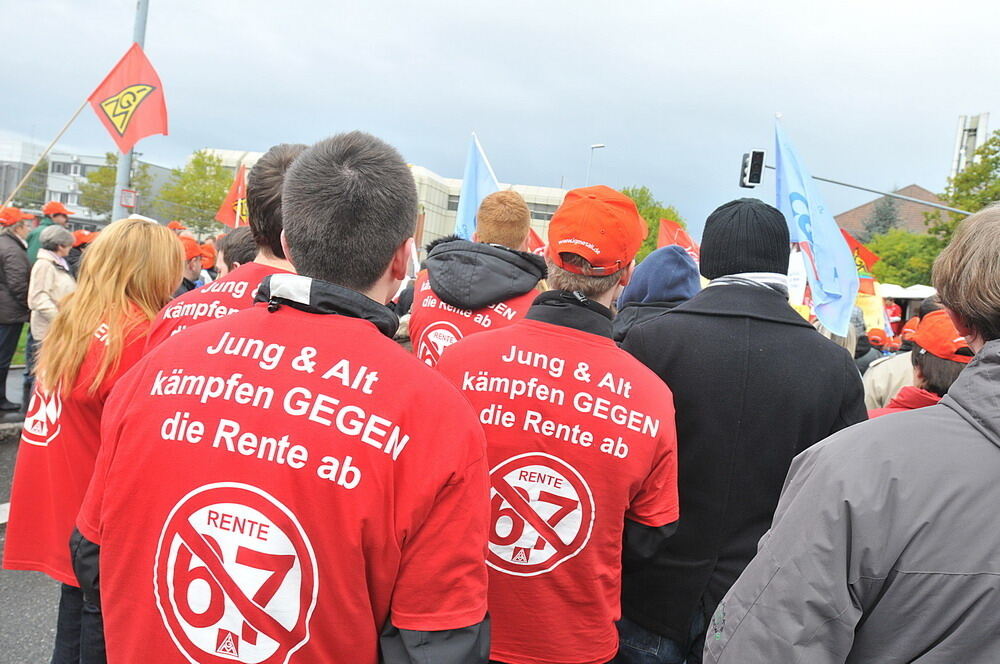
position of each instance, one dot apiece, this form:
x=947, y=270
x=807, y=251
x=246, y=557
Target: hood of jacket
x=976, y=393
x=669, y=274
x=473, y=275
x=634, y=313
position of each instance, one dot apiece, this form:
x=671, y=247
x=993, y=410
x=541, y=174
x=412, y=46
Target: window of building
x=74, y=169
x=542, y=211
x=59, y=167
x=452, y=203
x=74, y=199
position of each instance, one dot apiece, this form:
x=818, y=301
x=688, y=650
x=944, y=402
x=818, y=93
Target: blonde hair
x=127, y=275
x=967, y=273
x=503, y=218
x=590, y=286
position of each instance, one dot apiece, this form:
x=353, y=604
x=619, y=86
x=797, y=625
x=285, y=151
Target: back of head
x=939, y=352
x=967, y=273
x=668, y=274
x=264, y=195
x=929, y=305
x=348, y=203
x=503, y=218
x=745, y=235
x=237, y=246
x=55, y=236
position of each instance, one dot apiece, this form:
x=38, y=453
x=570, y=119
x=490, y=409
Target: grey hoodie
x=473, y=275
x=885, y=546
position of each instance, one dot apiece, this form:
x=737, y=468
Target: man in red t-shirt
x=473, y=286
x=236, y=290
x=581, y=442
x=287, y=484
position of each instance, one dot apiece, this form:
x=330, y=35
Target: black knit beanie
x=745, y=235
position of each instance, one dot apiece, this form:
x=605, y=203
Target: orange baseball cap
x=207, y=256
x=938, y=336
x=83, y=236
x=55, y=207
x=600, y=225
x=191, y=248
x=909, y=328
x=11, y=215
x=176, y=226
x=877, y=337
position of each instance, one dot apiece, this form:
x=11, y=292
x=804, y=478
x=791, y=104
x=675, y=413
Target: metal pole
x=124, y=175
x=887, y=193
x=589, y=164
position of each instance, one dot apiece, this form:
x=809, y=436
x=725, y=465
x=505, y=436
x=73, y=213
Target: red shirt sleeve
x=442, y=578
x=656, y=503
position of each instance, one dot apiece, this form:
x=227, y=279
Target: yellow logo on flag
x=121, y=107
x=242, y=214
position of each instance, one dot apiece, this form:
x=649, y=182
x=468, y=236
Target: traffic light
x=753, y=169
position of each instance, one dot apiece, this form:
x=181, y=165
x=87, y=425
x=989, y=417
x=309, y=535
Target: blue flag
x=478, y=182
x=830, y=266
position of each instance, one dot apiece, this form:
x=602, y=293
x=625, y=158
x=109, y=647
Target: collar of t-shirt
x=573, y=310
x=322, y=297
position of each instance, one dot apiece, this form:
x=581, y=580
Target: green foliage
x=194, y=193
x=975, y=187
x=98, y=192
x=885, y=216
x=652, y=211
x=906, y=258
x=32, y=194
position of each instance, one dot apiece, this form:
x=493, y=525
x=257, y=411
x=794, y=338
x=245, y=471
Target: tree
x=195, y=192
x=32, y=194
x=975, y=187
x=98, y=192
x=652, y=211
x=905, y=258
x=885, y=216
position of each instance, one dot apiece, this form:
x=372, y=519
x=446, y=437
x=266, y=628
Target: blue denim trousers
x=79, y=630
x=637, y=645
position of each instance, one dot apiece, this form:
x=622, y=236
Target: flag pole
x=45, y=152
x=123, y=177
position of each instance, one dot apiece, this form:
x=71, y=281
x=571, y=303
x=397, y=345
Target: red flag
x=864, y=258
x=233, y=211
x=129, y=101
x=672, y=232
x=535, y=243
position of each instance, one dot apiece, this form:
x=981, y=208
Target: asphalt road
x=28, y=600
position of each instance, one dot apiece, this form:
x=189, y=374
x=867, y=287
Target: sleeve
x=441, y=583
x=852, y=405
x=40, y=298
x=465, y=645
x=640, y=543
x=656, y=502
x=17, y=272
x=801, y=597
x=871, y=383
x=86, y=557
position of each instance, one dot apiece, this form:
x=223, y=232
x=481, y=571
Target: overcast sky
x=678, y=90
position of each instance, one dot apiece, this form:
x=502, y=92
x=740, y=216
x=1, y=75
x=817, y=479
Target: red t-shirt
x=227, y=295
x=287, y=482
x=580, y=436
x=59, y=444
x=435, y=324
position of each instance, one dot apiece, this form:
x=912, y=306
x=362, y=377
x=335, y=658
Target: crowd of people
x=321, y=452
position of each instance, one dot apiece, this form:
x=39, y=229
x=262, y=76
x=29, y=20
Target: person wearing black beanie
x=753, y=385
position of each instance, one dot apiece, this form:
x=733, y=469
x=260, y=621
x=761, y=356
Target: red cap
x=938, y=336
x=600, y=225
x=191, y=248
x=176, y=226
x=877, y=337
x=909, y=328
x=83, y=236
x=11, y=215
x=55, y=207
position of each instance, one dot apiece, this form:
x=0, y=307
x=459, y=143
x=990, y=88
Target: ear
x=627, y=274
x=918, y=378
x=284, y=247
x=401, y=260
x=475, y=236
x=962, y=328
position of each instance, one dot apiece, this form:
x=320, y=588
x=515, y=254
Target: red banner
x=864, y=258
x=129, y=101
x=233, y=211
x=672, y=232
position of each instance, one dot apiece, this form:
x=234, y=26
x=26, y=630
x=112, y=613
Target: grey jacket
x=885, y=546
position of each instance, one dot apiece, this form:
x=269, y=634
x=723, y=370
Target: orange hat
x=191, y=248
x=909, y=328
x=877, y=337
x=83, y=236
x=598, y=224
x=176, y=226
x=11, y=215
x=938, y=336
x=55, y=207
x=207, y=256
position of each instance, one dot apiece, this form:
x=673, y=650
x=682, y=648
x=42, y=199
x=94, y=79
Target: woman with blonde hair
x=127, y=275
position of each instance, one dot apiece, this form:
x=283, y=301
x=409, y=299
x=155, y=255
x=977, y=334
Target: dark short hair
x=264, y=195
x=348, y=203
x=237, y=246
x=929, y=305
x=938, y=372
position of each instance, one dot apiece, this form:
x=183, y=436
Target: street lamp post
x=595, y=146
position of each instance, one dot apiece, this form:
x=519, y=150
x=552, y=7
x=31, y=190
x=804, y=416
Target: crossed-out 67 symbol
x=235, y=577
x=542, y=514
x=436, y=337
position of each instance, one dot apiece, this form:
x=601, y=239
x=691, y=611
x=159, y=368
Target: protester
x=894, y=314
x=473, y=286
x=235, y=248
x=888, y=375
x=592, y=441
x=665, y=278
x=754, y=384
x=939, y=355
x=81, y=240
x=352, y=477
x=848, y=343
x=884, y=544
x=238, y=288
x=208, y=259
x=191, y=266
x=15, y=270
x=54, y=213
x=98, y=333
x=177, y=227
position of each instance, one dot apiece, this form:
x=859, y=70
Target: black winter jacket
x=15, y=269
x=754, y=384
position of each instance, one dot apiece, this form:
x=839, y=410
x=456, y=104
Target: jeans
x=9, y=336
x=79, y=630
x=637, y=645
